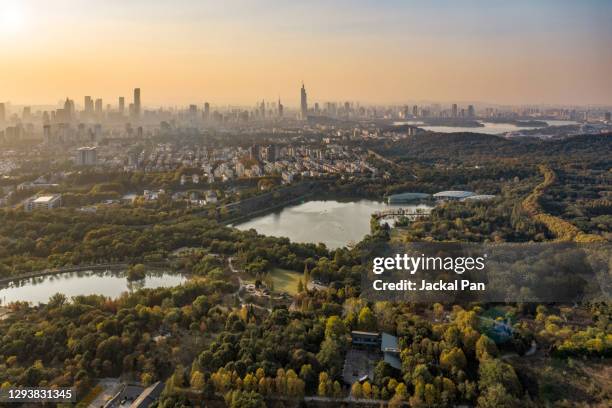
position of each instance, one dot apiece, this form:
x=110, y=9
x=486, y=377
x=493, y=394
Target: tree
x=330, y=355
x=399, y=398
x=485, y=347
x=453, y=358
x=496, y=396
x=136, y=272
x=334, y=328
x=244, y=399
x=197, y=380
x=357, y=390
x=494, y=371
x=366, y=390
x=325, y=385
x=366, y=320
x=306, y=273
x=382, y=371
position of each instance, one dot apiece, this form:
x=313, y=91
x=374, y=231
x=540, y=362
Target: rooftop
x=45, y=199
x=479, y=197
x=454, y=194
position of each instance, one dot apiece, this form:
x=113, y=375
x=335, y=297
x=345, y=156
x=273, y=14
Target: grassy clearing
x=285, y=280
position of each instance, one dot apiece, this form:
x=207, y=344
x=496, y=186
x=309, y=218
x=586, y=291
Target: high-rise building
x=471, y=112
x=47, y=134
x=27, y=113
x=454, y=110
x=280, y=108
x=69, y=108
x=121, y=105
x=43, y=202
x=303, y=102
x=254, y=152
x=415, y=111
x=86, y=156
x=88, y=105
x=98, y=106
x=137, y=106
x=607, y=116
x=2, y=112
x=206, y=113
x=97, y=134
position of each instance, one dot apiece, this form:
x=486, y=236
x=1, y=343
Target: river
x=335, y=223
x=106, y=283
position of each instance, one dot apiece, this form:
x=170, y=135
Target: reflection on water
x=488, y=128
x=332, y=222
x=106, y=283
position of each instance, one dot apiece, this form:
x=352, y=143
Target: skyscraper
x=206, y=113
x=2, y=112
x=471, y=113
x=86, y=156
x=121, y=105
x=89, y=107
x=454, y=110
x=280, y=108
x=415, y=111
x=303, y=102
x=137, y=106
x=99, y=106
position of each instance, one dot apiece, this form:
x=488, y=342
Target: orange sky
x=186, y=51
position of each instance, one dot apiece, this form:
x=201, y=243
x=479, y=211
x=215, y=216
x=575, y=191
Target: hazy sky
x=383, y=51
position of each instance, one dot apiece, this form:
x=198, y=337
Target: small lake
x=488, y=128
x=334, y=223
x=107, y=283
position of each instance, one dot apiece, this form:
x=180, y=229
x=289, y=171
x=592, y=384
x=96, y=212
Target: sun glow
x=12, y=17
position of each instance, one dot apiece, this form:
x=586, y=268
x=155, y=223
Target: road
x=230, y=263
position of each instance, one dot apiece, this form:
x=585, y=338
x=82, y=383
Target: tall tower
x=98, y=107
x=280, y=108
x=89, y=105
x=137, y=106
x=121, y=105
x=2, y=112
x=304, y=102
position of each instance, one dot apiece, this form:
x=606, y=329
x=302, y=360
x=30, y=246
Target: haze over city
x=548, y=52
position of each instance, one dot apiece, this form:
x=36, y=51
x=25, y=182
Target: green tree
x=366, y=320
x=496, y=396
x=244, y=399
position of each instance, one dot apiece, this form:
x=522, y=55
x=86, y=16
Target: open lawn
x=285, y=280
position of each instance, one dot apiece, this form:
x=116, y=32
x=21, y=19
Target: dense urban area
x=258, y=320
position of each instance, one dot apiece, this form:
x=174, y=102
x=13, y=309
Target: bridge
x=411, y=213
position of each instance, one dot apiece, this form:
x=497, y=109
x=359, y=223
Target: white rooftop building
x=44, y=202
x=453, y=195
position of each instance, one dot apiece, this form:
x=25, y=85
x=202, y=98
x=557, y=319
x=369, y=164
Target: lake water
x=107, y=283
x=489, y=128
x=332, y=222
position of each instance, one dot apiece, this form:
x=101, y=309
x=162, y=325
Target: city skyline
x=553, y=53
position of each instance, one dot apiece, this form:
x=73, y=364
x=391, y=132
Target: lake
x=106, y=283
x=489, y=128
x=334, y=223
